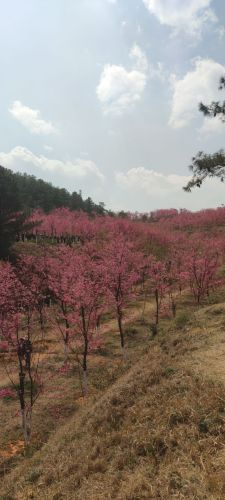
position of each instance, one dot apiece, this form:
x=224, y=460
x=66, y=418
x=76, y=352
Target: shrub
x=7, y=394
x=131, y=331
x=182, y=320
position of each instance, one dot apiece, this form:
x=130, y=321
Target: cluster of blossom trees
x=101, y=265
x=65, y=226
x=209, y=218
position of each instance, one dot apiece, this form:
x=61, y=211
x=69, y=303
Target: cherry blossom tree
x=122, y=271
x=202, y=264
x=78, y=289
x=61, y=274
x=86, y=302
x=158, y=285
x=17, y=332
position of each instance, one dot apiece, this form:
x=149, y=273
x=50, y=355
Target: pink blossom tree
x=61, y=274
x=158, y=285
x=16, y=330
x=122, y=271
x=78, y=289
x=86, y=303
x=202, y=264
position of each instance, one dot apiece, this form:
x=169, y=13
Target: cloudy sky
x=102, y=96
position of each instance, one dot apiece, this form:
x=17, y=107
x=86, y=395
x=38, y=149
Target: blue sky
x=102, y=96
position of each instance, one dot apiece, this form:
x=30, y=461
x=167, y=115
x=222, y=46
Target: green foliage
x=34, y=475
x=169, y=371
x=10, y=395
x=27, y=387
x=11, y=225
x=203, y=426
x=24, y=192
x=182, y=319
x=209, y=165
x=21, y=193
x=12, y=220
x=206, y=165
x=131, y=331
x=216, y=108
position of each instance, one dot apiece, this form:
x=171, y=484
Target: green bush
x=182, y=320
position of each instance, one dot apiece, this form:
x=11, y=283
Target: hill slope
x=22, y=191
x=158, y=432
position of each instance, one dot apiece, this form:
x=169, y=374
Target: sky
x=102, y=96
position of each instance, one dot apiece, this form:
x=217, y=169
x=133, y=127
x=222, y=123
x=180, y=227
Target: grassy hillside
x=152, y=430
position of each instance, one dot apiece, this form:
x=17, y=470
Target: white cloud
x=199, y=85
x=211, y=126
x=20, y=157
x=119, y=89
x=221, y=32
x=48, y=148
x=139, y=58
x=182, y=15
x=150, y=181
x=159, y=72
x=143, y=190
x=31, y=119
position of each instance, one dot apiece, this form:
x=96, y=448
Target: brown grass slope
x=158, y=432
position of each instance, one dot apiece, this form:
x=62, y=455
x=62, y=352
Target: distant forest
x=26, y=192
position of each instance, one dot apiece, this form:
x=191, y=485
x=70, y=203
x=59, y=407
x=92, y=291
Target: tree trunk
x=119, y=318
x=157, y=306
x=120, y=325
x=24, y=358
x=174, y=309
x=66, y=337
x=85, y=352
x=26, y=425
x=66, y=350
x=84, y=383
x=144, y=305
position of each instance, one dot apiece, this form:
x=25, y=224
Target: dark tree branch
x=216, y=108
x=206, y=165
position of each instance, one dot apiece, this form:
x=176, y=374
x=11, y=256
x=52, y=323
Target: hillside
x=22, y=191
x=157, y=432
x=112, y=346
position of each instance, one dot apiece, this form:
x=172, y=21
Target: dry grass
x=153, y=427
x=125, y=447
x=61, y=396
